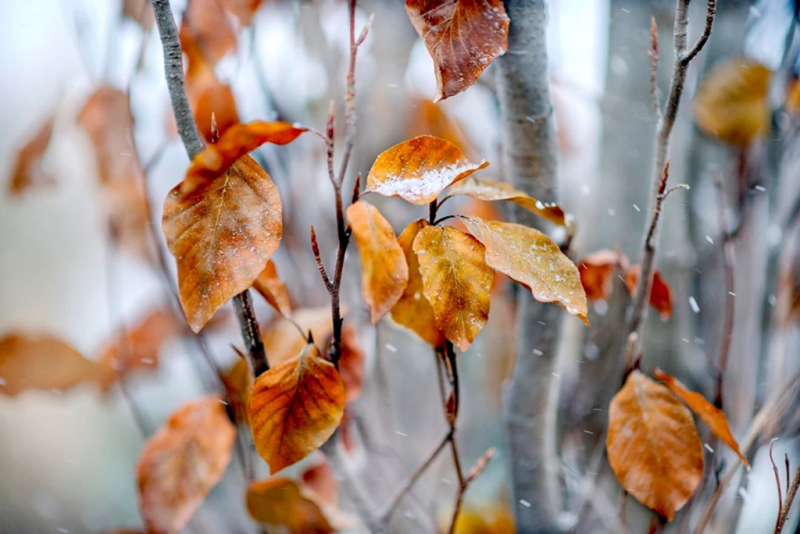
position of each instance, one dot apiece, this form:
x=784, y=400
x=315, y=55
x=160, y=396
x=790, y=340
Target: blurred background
x=84, y=260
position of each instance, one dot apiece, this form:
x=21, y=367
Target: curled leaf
x=597, y=270
x=419, y=169
x=182, y=462
x=481, y=189
x=462, y=36
x=222, y=231
x=653, y=445
x=279, y=503
x=707, y=412
x=272, y=288
x=295, y=407
x=532, y=259
x=456, y=281
x=383, y=265
x=28, y=172
x=413, y=310
x=660, y=293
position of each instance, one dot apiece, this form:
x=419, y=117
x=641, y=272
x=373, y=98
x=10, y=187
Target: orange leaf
x=283, y=342
x=182, y=462
x=653, y=445
x=707, y=412
x=731, y=103
x=462, y=36
x=28, y=172
x=237, y=141
x=205, y=31
x=279, y=503
x=128, y=209
x=141, y=11
x=660, y=293
x=419, y=169
x=383, y=266
x=532, y=259
x=273, y=289
x=427, y=118
x=242, y=9
x=351, y=363
x=213, y=106
x=455, y=280
x=295, y=407
x=43, y=362
x=597, y=270
x=413, y=309
x=481, y=189
x=319, y=480
x=222, y=231
x=792, y=102
x=238, y=380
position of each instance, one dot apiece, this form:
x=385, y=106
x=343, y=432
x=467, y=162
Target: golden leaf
x=242, y=9
x=278, y=502
x=238, y=380
x=272, y=288
x=282, y=341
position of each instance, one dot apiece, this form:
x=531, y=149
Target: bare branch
x=778, y=482
x=791, y=492
x=654, y=56
x=703, y=39
x=320, y=265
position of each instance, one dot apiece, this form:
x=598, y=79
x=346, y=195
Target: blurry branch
x=663, y=134
x=173, y=68
x=778, y=484
x=791, y=492
x=728, y=260
x=654, y=57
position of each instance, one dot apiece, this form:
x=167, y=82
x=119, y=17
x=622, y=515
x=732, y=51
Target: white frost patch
x=417, y=188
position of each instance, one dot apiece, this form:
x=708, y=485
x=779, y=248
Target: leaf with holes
x=462, y=36
x=660, y=293
x=653, y=445
x=456, y=281
x=383, y=266
x=419, y=169
x=279, y=503
x=272, y=288
x=295, y=407
x=180, y=464
x=532, y=259
x=222, y=231
x=28, y=172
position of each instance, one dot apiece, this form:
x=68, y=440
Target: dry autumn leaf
x=707, y=412
x=321, y=482
x=660, y=293
x=242, y=9
x=279, y=503
x=295, y=407
x=413, y=309
x=238, y=380
x=597, y=270
x=731, y=103
x=481, y=189
x=383, y=265
x=222, y=231
x=41, y=362
x=28, y=172
x=206, y=29
x=427, y=118
x=213, y=106
x=237, y=141
x=283, y=342
x=462, y=36
x=456, y=281
x=653, y=445
x=272, y=288
x=419, y=169
x=532, y=259
x=182, y=462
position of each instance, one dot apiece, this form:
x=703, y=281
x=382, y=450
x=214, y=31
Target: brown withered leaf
x=128, y=209
x=242, y=9
x=531, y=258
x=351, y=363
x=141, y=11
x=462, y=36
x=731, y=102
x=206, y=30
x=237, y=141
x=383, y=265
x=283, y=342
x=660, y=293
x=481, y=189
x=707, y=412
x=237, y=382
x=653, y=445
x=213, y=105
x=279, y=503
x=137, y=348
x=28, y=172
x=272, y=288
x=295, y=407
x=413, y=309
x=419, y=169
x=222, y=231
x=41, y=362
x=182, y=462
x=320, y=481
x=597, y=271
x=456, y=281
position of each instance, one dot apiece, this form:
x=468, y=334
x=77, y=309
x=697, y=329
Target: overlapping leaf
x=481, y=189
x=295, y=407
x=462, y=36
x=383, y=265
x=707, y=412
x=660, y=293
x=320, y=481
x=272, y=288
x=413, y=310
x=28, y=172
x=419, y=169
x=282, y=341
x=532, y=259
x=222, y=231
x=279, y=503
x=456, y=281
x=182, y=462
x=653, y=445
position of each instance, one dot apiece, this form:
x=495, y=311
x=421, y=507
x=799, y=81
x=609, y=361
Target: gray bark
x=530, y=161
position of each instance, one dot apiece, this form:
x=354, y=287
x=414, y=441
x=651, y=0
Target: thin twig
x=654, y=56
x=703, y=39
x=778, y=483
x=791, y=492
x=318, y=258
x=730, y=298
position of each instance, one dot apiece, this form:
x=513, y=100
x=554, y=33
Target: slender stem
x=173, y=68
x=730, y=298
x=432, y=208
x=778, y=483
x=791, y=492
x=654, y=56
